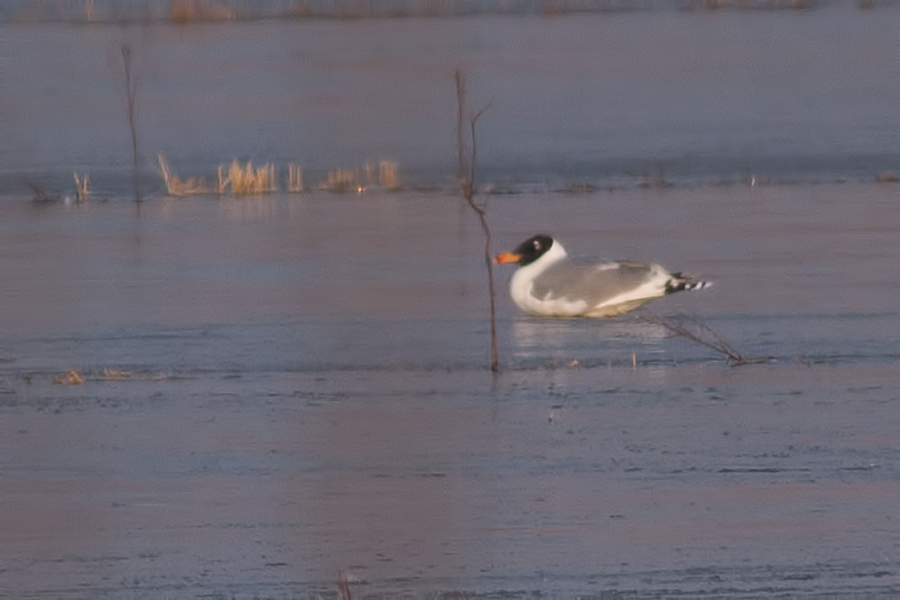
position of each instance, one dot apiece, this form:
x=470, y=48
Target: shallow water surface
x=614, y=99
x=278, y=390
x=220, y=397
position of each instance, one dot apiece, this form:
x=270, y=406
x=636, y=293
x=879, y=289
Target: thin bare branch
x=467, y=173
x=481, y=209
x=693, y=328
x=131, y=109
x=461, y=161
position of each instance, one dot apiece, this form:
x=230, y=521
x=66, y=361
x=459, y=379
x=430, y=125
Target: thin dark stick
x=460, y=134
x=467, y=184
x=481, y=211
x=718, y=344
x=131, y=100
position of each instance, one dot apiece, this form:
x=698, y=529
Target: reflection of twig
x=693, y=328
x=466, y=173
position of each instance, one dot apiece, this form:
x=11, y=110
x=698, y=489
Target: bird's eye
x=537, y=245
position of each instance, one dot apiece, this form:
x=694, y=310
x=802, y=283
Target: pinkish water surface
x=279, y=390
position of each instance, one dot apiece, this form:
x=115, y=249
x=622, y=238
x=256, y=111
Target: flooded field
x=253, y=397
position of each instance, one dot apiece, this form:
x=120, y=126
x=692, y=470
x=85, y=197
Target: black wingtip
x=681, y=285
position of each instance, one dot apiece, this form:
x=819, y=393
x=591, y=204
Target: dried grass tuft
x=82, y=186
x=342, y=180
x=295, y=178
x=175, y=186
x=389, y=175
x=70, y=377
x=362, y=178
x=192, y=11
x=245, y=180
x=108, y=374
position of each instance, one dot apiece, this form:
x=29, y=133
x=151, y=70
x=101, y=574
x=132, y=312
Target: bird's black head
x=528, y=251
x=533, y=248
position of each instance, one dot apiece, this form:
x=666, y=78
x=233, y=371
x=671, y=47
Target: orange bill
x=507, y=257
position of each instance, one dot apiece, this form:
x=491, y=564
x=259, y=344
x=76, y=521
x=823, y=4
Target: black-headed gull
x=550, y=283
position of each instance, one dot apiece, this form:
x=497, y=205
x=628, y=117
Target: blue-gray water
x=617, y=99
x=279, y=389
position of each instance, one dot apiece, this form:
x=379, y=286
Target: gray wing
x=593, y=282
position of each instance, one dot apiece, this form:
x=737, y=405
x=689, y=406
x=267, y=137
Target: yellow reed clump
x=175, y=186
x=342, y=180
x=389, y=174
x=70, y=377
x=360, y=179
x=82, y=186
x=245, y=180
x=192, y=11
x=295, y=178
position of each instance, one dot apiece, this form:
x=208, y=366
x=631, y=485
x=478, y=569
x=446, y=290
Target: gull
x=550, y=283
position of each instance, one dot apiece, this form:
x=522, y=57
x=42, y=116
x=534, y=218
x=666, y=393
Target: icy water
x=282, y=390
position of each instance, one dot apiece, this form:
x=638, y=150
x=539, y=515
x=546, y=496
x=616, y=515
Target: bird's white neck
x=555, y=254
x=522, y=280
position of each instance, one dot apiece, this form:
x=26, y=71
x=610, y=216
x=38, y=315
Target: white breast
x=521, y=288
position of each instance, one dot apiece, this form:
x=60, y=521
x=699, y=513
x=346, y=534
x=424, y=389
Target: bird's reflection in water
x=589, y=342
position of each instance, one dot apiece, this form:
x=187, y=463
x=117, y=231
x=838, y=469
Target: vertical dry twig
x=466, y=173
x=461, y=170
x=131, y=106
